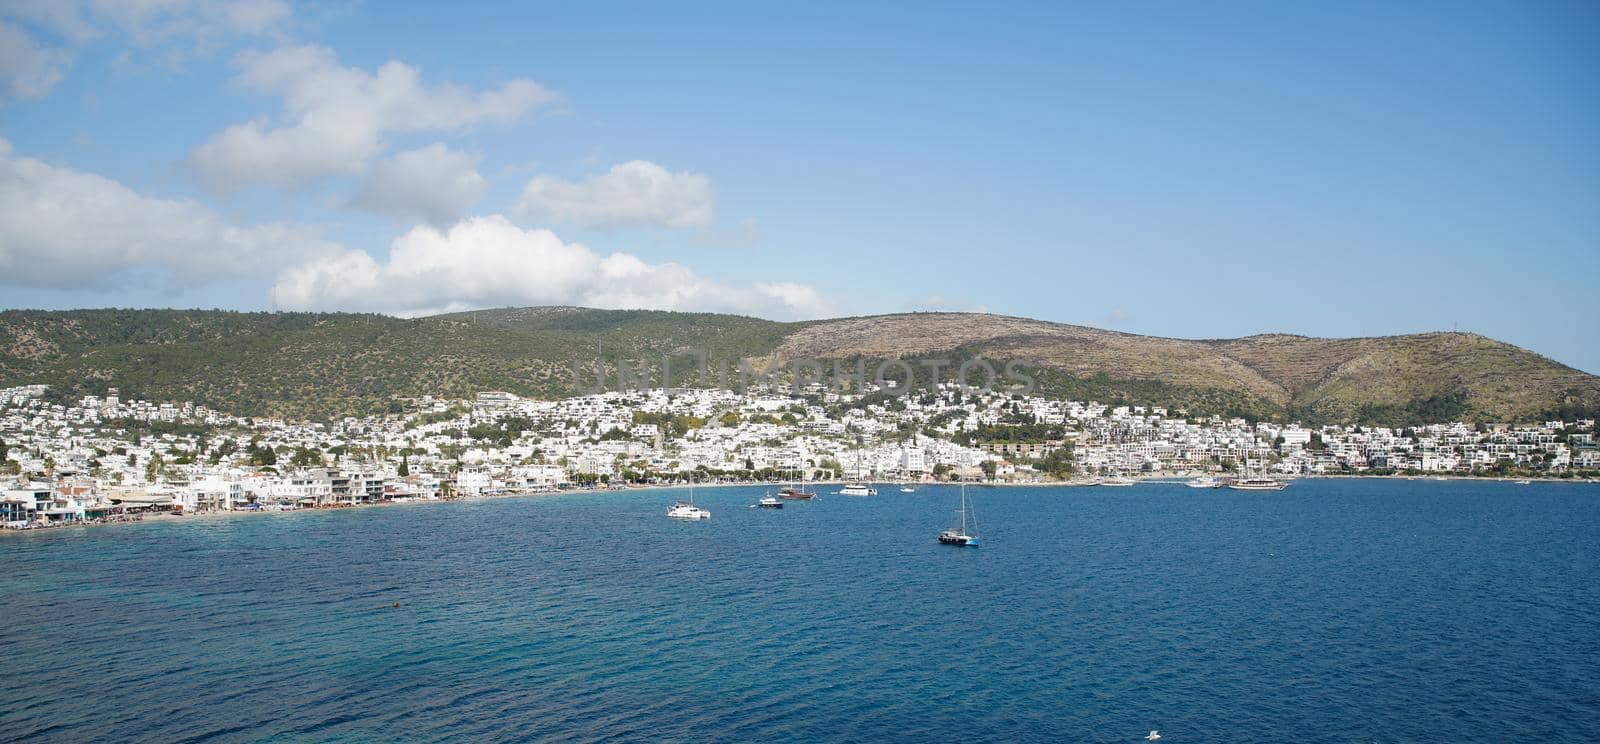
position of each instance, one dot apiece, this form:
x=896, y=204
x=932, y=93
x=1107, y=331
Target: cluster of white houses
x=105, y=458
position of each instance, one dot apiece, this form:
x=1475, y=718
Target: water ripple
x=1335, y=611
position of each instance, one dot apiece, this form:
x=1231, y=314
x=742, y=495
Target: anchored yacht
x=1258, y=484
x=687, y=509
x=959, y=535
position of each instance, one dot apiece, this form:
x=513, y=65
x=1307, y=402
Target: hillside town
x=106, y=459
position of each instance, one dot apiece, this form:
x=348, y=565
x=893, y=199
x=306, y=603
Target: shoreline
x=650, y=488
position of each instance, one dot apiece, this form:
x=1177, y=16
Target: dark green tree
x=305, y=456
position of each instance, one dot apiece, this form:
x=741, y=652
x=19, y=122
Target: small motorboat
x=768, y=502
x=907, y=489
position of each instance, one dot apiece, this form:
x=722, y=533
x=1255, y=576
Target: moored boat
x=687, y=509
x=768, y=502
x=958, y=535
x=858, y=489
x=1258, y=484
x=1204, y=481
x=794, y=491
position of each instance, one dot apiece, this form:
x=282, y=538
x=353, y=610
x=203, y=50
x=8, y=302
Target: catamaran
x=687, y=509
x=959, y=535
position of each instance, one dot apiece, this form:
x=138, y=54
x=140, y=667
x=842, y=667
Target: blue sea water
x=1338, y=610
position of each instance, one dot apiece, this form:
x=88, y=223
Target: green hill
x=323, y=365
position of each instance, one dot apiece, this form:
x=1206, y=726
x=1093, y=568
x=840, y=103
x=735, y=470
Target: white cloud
x=434, y=184
x=28, y=70
x=65, y=18
x=179, y=29
x=153, y=22
x=254, y=153
x=255, y=16
x=630, y=194
x=489, y=262
x=337, y=116
x=69, y=229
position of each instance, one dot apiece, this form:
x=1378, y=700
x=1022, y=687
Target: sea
x=1339, y=610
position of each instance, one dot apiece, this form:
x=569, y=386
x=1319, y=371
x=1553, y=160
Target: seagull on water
x=1154, y=736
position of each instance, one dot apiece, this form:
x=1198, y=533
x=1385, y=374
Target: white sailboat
x=958, y=535
x=686, y=509
x=858, y=488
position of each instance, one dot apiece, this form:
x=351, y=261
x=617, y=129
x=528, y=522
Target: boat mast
x=963, y=508
x=963, y=511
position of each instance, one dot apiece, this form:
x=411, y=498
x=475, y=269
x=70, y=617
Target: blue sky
x=1203, y=170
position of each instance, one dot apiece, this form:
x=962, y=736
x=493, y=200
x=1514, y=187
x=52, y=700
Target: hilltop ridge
x=330, y=364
